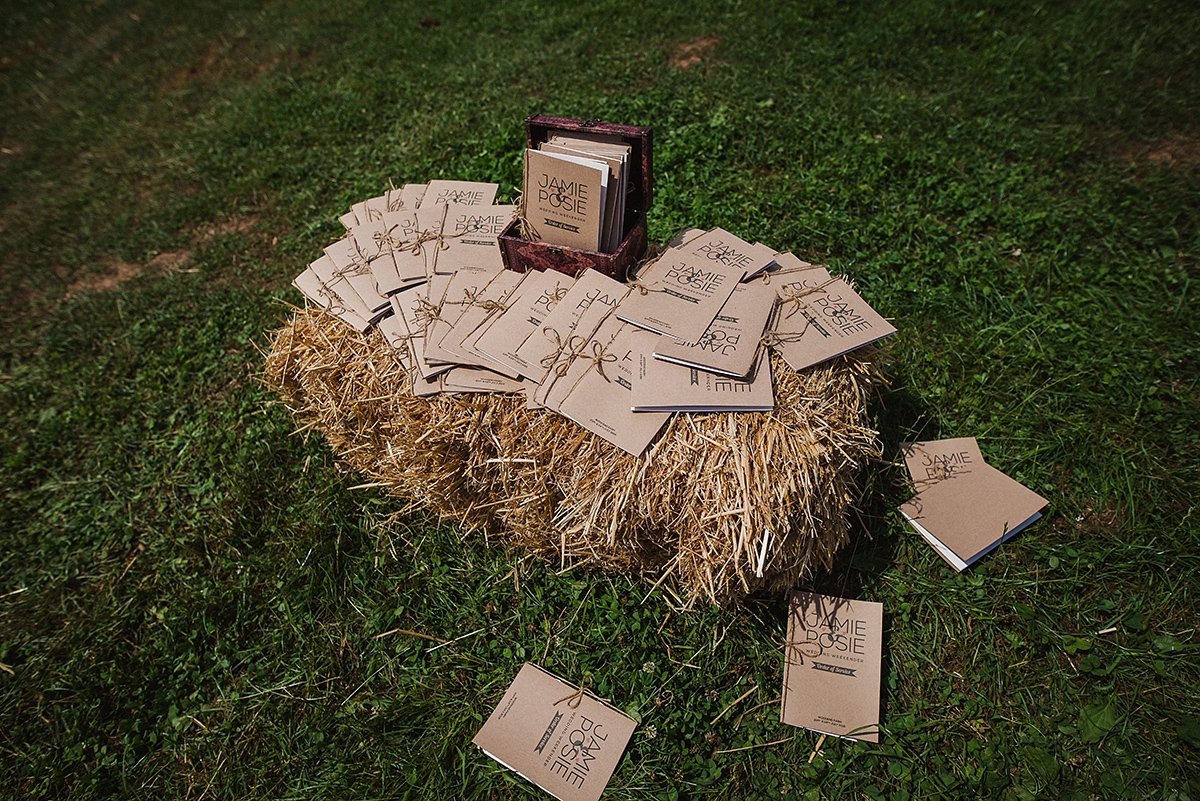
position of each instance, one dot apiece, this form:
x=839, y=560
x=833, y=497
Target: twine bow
x=600, y=356
x=427, y=313
x=383, y=238
x=560, y=346
x=789, y=295
x=335, y=304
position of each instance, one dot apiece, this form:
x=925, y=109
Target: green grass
x=191, y=594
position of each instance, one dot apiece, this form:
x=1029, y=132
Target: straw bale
x=720, y=505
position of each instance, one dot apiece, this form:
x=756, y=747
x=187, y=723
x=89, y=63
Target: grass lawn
x=191, y=595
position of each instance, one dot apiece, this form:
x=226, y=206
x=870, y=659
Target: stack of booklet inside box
x=575, y=187
x=689, y=333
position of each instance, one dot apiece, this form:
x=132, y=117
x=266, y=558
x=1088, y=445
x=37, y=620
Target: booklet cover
x=968, y=514
x=832, y=663
x=718, y=246
x=535, y=297
x=338, y=288
x=593, y=386
x=470, y=235
x=561, y=738
x=311, y=286
x=934, y=460
x=418, y=313
x=680, y=295
x=570, y=324
x=476, y=311
x=461, y=288
x=731, y=343
x=564, y=198
x=467, y=193
x=824, y=321
x=354, y=265
x=660, y=386
x=404, y=230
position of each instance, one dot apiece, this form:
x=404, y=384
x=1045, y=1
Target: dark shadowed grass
x=195, y=603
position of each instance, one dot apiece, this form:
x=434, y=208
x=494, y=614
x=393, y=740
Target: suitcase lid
x=538, y=128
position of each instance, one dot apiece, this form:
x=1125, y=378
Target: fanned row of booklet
x=689, y=333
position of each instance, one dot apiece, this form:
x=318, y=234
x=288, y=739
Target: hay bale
x=720, y=504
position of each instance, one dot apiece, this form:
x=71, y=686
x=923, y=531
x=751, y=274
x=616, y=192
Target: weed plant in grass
x=194, y=603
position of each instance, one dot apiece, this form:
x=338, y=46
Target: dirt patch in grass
x=1177, y=150
x=234, y=224
x=690, y=54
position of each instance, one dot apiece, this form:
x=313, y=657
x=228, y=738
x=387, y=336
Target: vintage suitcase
x=523, y=255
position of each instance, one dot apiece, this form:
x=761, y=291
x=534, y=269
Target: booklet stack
x=587, y=188
x=965, y=507
x=690, y=332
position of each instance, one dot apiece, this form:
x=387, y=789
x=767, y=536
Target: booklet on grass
x=968, y=513
x=933, y=460
x=560, y=737
x=832, y=663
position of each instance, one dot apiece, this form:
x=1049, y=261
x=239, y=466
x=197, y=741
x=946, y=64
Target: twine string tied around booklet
x=798, y=647
x=574, y=699
x=335, y=305
x=427, y=313
x=570, y=346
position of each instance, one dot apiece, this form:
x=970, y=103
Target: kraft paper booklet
x=680, y=294
x=558, y=736
x=396, y=333
x=467, y=193
x=831, y=665
x=538, y=294
x=414, y=307
x=403, y=228
x=933, y=460
x=477, y=379
x=312, y=288
x=407, y=197
x=479, y=308
x=595, y=388
x=564, y=199
x=570, y=324
x=732, y=342
x=376, y=242
x=339, y=288
x=660, y=386
x=815, y=326
x=616, y=156
x=354, y=265
x=968, y=514
x=718, y=246
x=471, y=236
x=460, y=289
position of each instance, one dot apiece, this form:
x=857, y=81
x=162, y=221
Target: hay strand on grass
x=728, y=503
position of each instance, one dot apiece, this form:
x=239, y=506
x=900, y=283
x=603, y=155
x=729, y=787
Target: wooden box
x=523, y=255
